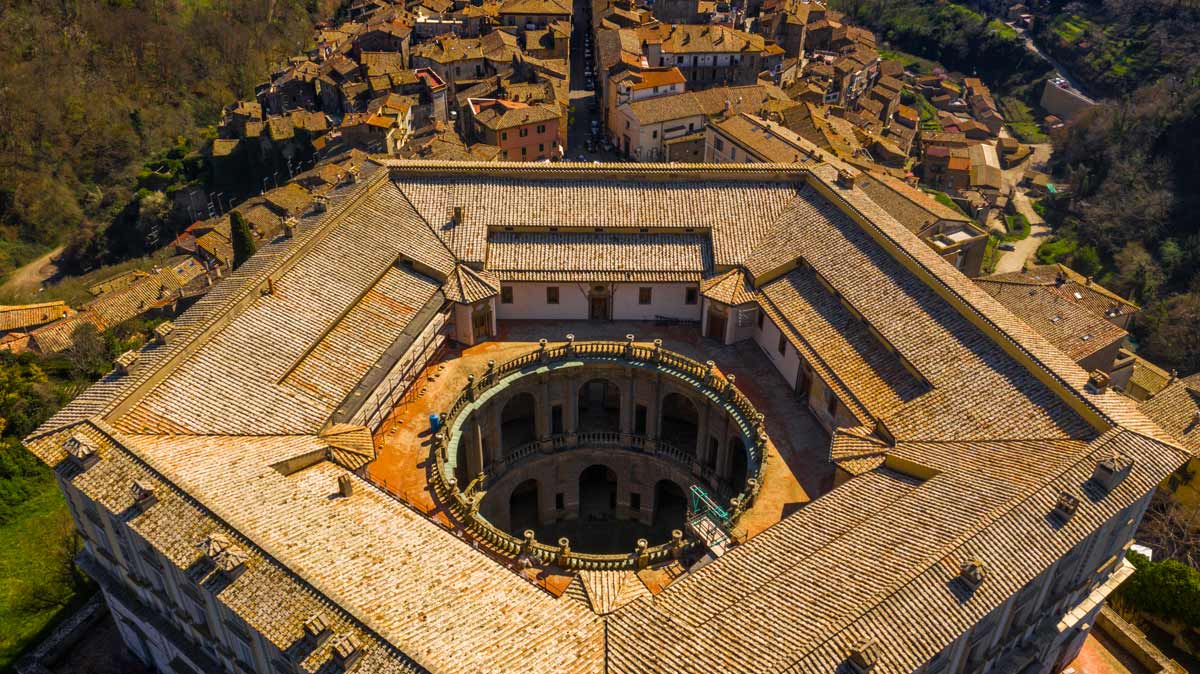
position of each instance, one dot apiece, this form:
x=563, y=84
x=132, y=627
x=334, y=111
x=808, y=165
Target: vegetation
x=243, y=240
x=1118, y=45
x=1133, y=168
x=951, y=34
x=1021, y=121
x=1168, y=589
x=106, y=104
x=943, y=199
x=1018, y=228
x=38, y=579
x=912, y=62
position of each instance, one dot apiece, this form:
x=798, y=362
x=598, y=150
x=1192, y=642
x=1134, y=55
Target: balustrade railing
x=464, y=505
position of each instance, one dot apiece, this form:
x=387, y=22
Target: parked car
x=1007, y=246
x=595, y=126
x=589, y=145
x=589, y=84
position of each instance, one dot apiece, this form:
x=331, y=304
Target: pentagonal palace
x=584, y=418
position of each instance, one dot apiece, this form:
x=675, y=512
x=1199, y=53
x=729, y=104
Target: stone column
x=703, y=410
x=627, y=404
x=571, y=405
x=492, y=413
x=723, y=449
x=652, y=410
x=542, y=407
x=474, y=440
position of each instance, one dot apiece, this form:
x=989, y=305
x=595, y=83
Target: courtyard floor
x=795, y=471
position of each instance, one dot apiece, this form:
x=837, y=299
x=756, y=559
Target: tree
x=243, y=240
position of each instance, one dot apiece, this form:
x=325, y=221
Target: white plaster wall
x=788, y=363
x=667, y=299
x=529, y=302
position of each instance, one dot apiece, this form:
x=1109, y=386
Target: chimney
x=81, y=450
x=345, y=486
x=846, y=177
x=127, y=363
x=143, y=494
x=864, y=656
x=1111, y=471
x=456, y=216
x=290, y=225
x=223, y=553
x=320, y=203
x=1065, y=506
x=1097, y=381
x=972, y=573
x=163, y=332
x=347, y=650
x=316, y=628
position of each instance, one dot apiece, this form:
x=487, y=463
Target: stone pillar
x=474, y=440
x=703, y=410
x=492, y=414
x=570, y=487
x=571, y=406
x=723, y=449
x=542, y=407
x=652, y=410
x=546, y=512
x=627, y=404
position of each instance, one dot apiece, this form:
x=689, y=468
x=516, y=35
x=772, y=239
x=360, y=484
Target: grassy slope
x=33, y=590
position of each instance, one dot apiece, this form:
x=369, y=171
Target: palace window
x=644, y=295
x=552, y=295
x=506, y=296
x=691, y=296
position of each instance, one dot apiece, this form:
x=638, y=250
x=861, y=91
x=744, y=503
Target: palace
x=785, y=433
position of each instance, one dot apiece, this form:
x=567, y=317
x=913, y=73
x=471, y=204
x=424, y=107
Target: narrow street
x=584, y=103
x=1058, y=68
x=1025, y=249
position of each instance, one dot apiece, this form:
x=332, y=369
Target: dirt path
x=29, y=278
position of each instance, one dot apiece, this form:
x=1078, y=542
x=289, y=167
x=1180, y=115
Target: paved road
x=582, y=100
x=1025, y=249
x=1058, y=68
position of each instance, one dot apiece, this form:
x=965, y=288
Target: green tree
x=243, y=240
x=1086, y=261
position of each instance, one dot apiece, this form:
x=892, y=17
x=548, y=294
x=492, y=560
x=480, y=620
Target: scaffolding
x=708, y=521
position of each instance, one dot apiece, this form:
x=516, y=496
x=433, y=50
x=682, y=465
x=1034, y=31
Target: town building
x=225, y=479
x=710, y=55
x=522, y=132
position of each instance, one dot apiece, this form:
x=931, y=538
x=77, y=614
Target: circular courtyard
x=594, y=454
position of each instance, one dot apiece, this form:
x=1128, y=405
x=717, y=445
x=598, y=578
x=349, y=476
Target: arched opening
x=523, y=506
x=737, y=463
x=597, y=494
x=680, y=422
x=599, y=407
x=670, y=508
x=517, y=422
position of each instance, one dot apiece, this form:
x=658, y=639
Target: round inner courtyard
x=600, y=453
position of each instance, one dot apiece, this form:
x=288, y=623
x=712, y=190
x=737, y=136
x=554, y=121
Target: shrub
x=1167, y=588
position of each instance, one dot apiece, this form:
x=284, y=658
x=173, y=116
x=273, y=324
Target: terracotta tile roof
x=914, y=208
x=1069, y=326
x=1176, y=409
x=618, y=254
x=465, y=285
x=16, y=317
x=1000, y=418
x=732, y=288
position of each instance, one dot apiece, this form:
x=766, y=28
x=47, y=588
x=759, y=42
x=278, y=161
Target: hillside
x=97, y=94
x=1117, y=46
